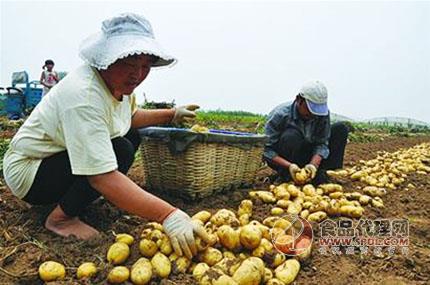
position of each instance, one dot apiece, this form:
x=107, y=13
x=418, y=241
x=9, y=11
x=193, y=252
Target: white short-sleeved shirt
x=79, y=115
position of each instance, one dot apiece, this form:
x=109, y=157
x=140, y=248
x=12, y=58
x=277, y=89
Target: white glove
x=312, y=169
x=293, y=169
x=180, y=229
x=183, y=113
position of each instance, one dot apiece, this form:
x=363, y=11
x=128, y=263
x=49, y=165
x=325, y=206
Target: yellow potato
x=182, y=264
x=118, y=275
x=51, y=271
x=302, y=176
x=294, y=208
x=203, y=216
x=200, y=270
x=331, y=187
x=364, y=200
x=161, y=265
x=281, y=193
x=283, y=203
x=317, y=216
x=199, y=129
x=228, y=265
x=147, y=247
x=250, y=236
x=211, y=256
x=304, y=214
x=268, y=274
x=86, y=270
x=374, y=191
x=125, y=238
x=250, y=272
x=224, y=217
x=228, y=254
x=210, y=275
x=245, y=207
x=351, y=211
x=244, y=219
x=229, y=237
x=277, y=211
x=118, y=253
x=293, y=190
x=336, y=195
x=377, y=202
x=265, y=196
x=164, y=245
x=141, y=272
x=309, y=190
x=287, y=272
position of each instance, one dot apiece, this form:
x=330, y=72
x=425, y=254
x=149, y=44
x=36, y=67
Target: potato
x=358, y=175
x=277, y=211
x=164, y=245
x=224, y=217
x=125, y=238
x=364, y=200
x=249, y=272
x=351, y=211
x=304, y=214
x=51, y=271
x=244, y=219
x=181, y=264
x=118, y=253
x=268, y=274
x=228, y=254
x=199, y=270
x=317, y=216
x=210, y=275
x=245, y=207
x=278, y=259
x=336, y=195
x=283, y=203
x=331, y=187
x=293, y=190
x=147, y=247
x=287, y=272
x=250, y=236
x=203, y=216
x=141, y=272
x=374, y=191
x=302, y=176
x=309, y=190
x=265, y=196
x=118, y=274
x=156, y=235
x=229, y=237
x=228, y=265
x=161, y=265
x=281, y=193
x=211, y=256
x=377, y=202
x=294, y=208
x=86, y=270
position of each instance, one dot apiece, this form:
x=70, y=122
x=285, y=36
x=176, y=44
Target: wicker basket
x=193, y=165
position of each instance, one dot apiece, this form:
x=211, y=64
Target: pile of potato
x=389, y=170
x=245, y=251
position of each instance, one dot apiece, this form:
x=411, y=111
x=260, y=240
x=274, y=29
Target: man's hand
x=293, y=169
x=180, y=229
x=183, y=113
x=312, y=170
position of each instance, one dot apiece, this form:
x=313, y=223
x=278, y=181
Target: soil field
x=25, y=243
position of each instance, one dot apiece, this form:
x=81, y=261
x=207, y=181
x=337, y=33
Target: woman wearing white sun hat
x=80, y=141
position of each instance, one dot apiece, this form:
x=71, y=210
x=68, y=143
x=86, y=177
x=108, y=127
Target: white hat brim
x=100, y=52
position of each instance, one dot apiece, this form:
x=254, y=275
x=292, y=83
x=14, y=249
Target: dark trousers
x=294, y=148
x=55, y=183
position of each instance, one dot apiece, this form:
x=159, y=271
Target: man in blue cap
x=300, y=135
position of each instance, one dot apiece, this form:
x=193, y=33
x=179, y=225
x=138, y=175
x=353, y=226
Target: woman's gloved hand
x=183, y=113
x=181, y=229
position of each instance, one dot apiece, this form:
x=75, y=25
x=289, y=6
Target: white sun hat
x=121, y=36
x=315, y=94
